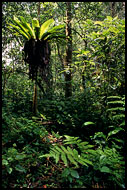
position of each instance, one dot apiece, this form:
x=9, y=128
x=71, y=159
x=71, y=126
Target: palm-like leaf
x=54, y=32
x=44, y=27
x=35, y=23
x=17, y=22
x=28, y=27
x=20, y=31
x=45, y=32
x=36, y=26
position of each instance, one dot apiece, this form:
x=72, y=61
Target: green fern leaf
x=64, y=149
x=57, y=157
x=116, y=102
x=122, y=124
x=72, y=160
x=71, y=142
x=81, y=162
x=116, y=109
x=86, y=161
x=63, y=157
x=70, y=150
x=114, y=97
x=114, y=132
x=92, y=151
x=58, y=149
x=68, y=138
x=52, y=154
x=120, y=116
x=53, y=149
x=75, y=152
x=83, y=143
x=87, y=147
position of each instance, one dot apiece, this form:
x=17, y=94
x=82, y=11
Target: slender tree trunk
x=35, y=100
x=68, y=56
x=112, y=5
x=38, y=13
x=35, y=84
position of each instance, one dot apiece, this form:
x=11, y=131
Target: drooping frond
x=20, y=31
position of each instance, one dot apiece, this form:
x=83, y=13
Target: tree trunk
x=35, y=100
x=112, y=5
x=68, y=56
x=38, y=13
x=35, y=84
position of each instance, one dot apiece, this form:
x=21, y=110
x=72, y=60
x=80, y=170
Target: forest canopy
x=63, y=94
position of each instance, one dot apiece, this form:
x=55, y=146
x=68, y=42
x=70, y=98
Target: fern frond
x=116, y=102
x=57, y=157
x=116, y=109
x=71, y=140
x=61, y=151
x=114, y=97
x=64, y=149
x=83, y=143
x=71, y=156
x=87, y=147
x=75, y=152
x=122, y=124
x=70, y=150
x=72, y=160
x=86, y=161
x=120, y=116
x=82, y=162
x=63, y=157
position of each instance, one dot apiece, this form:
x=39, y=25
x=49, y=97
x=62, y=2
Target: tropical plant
x=77, y=153
x=36, y=47
x=111, y=164
x=116, y=109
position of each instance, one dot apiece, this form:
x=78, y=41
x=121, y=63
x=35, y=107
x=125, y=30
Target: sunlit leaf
x=44, y=27
x=88, y=123
x=98, y=22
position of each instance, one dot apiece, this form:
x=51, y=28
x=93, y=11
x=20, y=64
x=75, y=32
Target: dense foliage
x=71, y=142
